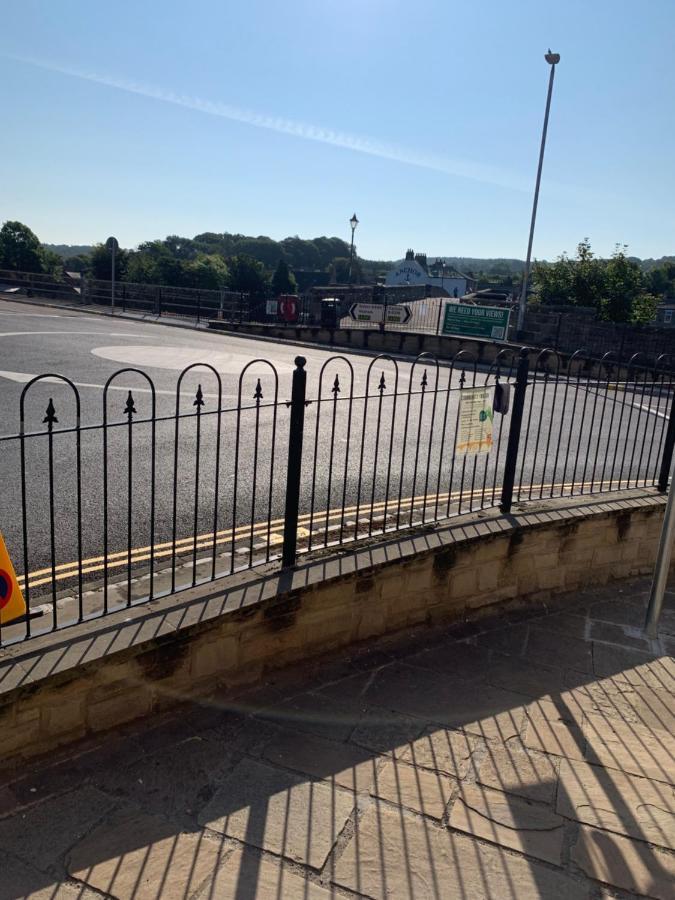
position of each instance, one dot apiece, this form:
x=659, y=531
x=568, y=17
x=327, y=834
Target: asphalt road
x=601, y=436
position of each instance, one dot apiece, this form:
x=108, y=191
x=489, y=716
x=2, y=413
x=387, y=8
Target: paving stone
x=21, y=882
x=462, y=660
x=626, y=864
x=247, y=874
x=610, y=697
x=629, y=747
x=509, y=640
x=533, y=776
x=442, y=750
x=316, y=714
x=636, y=807
x=630, y=665
x=619, y=612
x=384, y=731
x=549, y=730
x=176, y=782
x=525, y=677
x=397, y=855
x=279, y=811
x=136, y=856
x=549, y=648
x=478, y=708
x=351, y=767
x=622, y=635
x=41, y=835
x=424, y=792
x=509, y=821
x=654, y=709
x=564, y=623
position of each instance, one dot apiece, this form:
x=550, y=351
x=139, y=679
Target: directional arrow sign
x=398, y=315
x=366, y=312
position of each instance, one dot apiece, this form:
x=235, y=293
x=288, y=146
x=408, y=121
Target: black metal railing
x=165, y=490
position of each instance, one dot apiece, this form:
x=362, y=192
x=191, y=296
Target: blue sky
x=143, y=119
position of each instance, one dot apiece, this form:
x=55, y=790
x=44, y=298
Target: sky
x=142, y=119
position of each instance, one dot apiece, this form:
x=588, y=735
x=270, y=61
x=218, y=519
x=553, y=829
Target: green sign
x=476, y=321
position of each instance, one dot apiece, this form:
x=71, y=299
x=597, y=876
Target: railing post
x=669, y=443
x=293, y=469
x=514, y=431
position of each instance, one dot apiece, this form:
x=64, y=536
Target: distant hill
x=496, y=265
x=66, y=250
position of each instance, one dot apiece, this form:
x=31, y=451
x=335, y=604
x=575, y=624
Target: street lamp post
x=552, y=59
x=353, y=222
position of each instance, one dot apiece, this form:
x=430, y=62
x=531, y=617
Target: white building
x=414, y=270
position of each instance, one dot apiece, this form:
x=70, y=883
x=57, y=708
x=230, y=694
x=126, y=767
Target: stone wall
x=61, y=687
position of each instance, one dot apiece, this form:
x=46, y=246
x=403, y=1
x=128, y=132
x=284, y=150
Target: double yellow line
x=123, y=558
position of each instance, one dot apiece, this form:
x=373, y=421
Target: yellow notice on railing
x=474, y=431
x=12, y=604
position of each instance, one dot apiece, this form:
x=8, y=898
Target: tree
x=246, y=274
x=555, y=281
x=339, y=269
x=100, y=265
x=623, y=286
x=206, y=271
x=79, y=263
x=588, y=280
x=20, y=249
x=283, y=281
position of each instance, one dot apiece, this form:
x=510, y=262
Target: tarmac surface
x=530, y=756
x=573, y=434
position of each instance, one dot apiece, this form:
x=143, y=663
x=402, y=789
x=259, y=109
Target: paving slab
x=398, y=855
x=442, y=750
x=279, y=811
x=514, y=770
x=41, y=834
x=532, y=828
x=136, y=856
x=620, y=803
x=630, y=865
x=246, y=874
x=21, y=882
x=427, y=793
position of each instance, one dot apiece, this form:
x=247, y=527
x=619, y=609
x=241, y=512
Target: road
x=571, y=434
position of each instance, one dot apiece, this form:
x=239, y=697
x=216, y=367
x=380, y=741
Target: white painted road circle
x=177, y=358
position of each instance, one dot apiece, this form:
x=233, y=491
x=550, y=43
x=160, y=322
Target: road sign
x=476, y=321
x=12, y=604
x=271, y=307
x=474, y=431
x=366, y=312
x=377, y=312
x=398, y=315
x=112, y=244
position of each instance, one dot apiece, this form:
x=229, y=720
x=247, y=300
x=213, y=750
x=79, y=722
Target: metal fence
x=163, y=493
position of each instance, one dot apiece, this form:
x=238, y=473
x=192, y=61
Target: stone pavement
x=526, y=756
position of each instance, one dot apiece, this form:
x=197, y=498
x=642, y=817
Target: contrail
x=303, y=130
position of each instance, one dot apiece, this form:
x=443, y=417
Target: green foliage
x=246, y=274
x=283, y=282
x=208, y=271
x=616, y=288
x=340, y=270
x=79, y=263
x=21, y=251
x=100, y=263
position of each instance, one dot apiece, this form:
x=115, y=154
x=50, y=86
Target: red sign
x=288, y=307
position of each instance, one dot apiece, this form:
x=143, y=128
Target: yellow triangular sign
x=12, y=604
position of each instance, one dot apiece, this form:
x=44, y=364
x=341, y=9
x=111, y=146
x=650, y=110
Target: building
x=665, y=314
x=414, y=270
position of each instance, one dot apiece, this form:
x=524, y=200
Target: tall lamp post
x=353, y=222
x=552, y=59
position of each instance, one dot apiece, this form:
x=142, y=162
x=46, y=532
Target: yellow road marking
x=121, y=558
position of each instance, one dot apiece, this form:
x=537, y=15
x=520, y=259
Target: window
x=667, y=316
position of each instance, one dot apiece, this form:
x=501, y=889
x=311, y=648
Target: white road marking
x=25, y=377
x=177, y=358
x=125, y=334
